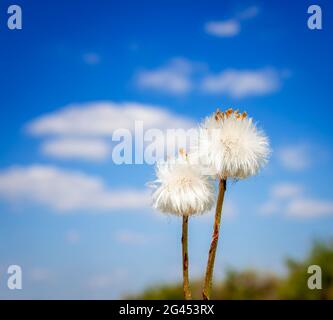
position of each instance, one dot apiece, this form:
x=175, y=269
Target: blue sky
x=180, y=58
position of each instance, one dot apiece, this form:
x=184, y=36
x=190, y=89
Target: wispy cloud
x=182, y=76
x=69, y=148
x=102, y=281
x=66, y=191
x=279, y=194
x=248, y=13
x=227, y=28
x=294, y=157
x=286, y=190
x=73, y=236
x=130, y=237
x=230, y=211
x=291, y=200
x=102, y=118
x=173, y=78
x=232, y=26
x=269, y=207
x=307, y=207
x=83, y=131
x=38, y=274
x=91, y=58
x=241, y=83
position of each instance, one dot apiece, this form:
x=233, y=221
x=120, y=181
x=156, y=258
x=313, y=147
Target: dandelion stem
x=186, y=286
x=212, y=250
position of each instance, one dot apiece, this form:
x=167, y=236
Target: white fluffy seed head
x=230, y=145
x=181, y=189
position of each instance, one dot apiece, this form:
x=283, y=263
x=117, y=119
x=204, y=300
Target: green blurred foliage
x=250, y=284
x=294, y=286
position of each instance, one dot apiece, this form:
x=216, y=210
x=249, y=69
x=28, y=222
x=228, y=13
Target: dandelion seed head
x=181, y=189
x=231, y=145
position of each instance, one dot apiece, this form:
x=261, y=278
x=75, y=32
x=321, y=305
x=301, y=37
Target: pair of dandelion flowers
x=229, y=146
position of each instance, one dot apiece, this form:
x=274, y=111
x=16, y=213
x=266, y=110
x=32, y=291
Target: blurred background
x=80, y=226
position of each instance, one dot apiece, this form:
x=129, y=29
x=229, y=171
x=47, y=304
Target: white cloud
x=108, y=280
x=173, y=78
x=91, y=58
x=279, y=194
x=72, y=236
x=102, y=118
x=229, y=211
x=181, y=76
x=69, y=148
x=269, y=207
x=286, y=190
x=294, y=157
x=39, y=274
x=76, y=131
x=307, y=207
x=290, y=199
x=65, y=191
x=102, y=281
x=228, y=28
x=249, y=13
x=241, y=83
x=130, y=237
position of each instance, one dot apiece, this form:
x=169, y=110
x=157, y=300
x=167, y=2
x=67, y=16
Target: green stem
x=212, y=251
